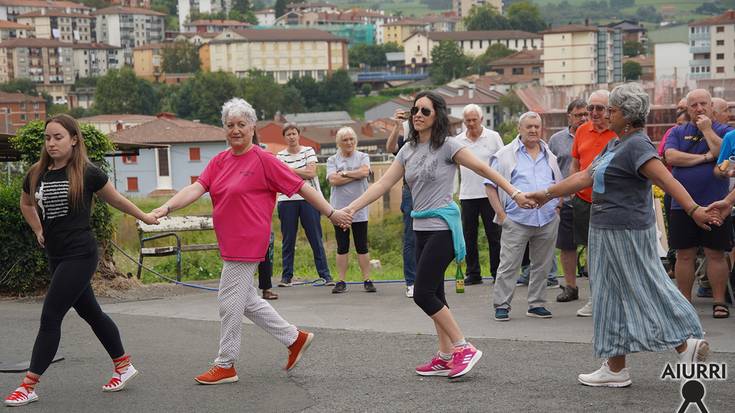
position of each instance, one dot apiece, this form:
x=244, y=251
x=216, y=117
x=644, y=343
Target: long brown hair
x=74, y=168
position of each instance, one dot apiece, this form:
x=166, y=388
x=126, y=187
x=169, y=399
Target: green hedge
x=23, y=267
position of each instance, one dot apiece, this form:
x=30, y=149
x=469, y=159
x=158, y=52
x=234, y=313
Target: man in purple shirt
x=692, y=149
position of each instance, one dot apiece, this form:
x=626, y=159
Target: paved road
x=361, y=361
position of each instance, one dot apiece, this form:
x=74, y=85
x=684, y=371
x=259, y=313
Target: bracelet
x=547, y=194
x=168, y=208
x=331, y=213
x=692, y=209
x=515, y=194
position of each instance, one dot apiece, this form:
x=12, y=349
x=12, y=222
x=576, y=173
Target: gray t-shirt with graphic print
x=430, y=176
x=621, y=196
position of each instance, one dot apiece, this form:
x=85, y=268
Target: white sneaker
x=603, y=377
x=21, y=397
x=118, y=381
x=585, y=311
x=409, y=291
x=697, y=351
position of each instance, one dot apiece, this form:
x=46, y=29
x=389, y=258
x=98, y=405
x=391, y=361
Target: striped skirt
x=636, y=306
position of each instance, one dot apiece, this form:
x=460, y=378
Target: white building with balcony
x=711, y=47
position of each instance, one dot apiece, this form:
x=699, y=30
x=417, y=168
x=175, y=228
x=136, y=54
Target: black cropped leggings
x=70, y=287
x=434, y=253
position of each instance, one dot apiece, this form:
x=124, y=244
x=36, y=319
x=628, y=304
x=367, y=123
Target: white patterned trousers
x=237, y=297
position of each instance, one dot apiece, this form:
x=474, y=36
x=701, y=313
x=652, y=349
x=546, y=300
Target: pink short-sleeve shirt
x=243, y=189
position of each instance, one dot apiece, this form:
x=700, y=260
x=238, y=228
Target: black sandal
x=720, y=310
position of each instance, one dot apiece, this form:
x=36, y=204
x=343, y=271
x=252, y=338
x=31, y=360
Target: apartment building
x=521, y=67
x=11, y=9
x=462, y=7
x=582, y=55
x=95, y=59
x=417, y=47
x=129, y=28
x=17, y=109
x=186, y=8
x=59, y=25
x=147, y=61
x=284, y=53
x=13, y=30
x=214, y=25
x=712, y=47
x=398, y=31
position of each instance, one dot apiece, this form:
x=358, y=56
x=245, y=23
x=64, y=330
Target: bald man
x=691, y=149
x=720, y=110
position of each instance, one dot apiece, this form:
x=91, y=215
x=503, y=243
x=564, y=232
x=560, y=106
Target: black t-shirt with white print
x=66, y=230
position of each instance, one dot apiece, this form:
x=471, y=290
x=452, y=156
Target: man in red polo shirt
x=589, y=141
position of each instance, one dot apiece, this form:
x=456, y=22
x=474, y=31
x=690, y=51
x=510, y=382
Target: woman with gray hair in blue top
x=636, y=306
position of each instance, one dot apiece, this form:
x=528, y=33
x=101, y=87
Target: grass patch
x=359, y=104
x=385, y=240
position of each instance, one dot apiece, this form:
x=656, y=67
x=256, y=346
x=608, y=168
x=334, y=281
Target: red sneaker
x=463, y=360
x=21, y=396
x=218, y=375
x=297, y=349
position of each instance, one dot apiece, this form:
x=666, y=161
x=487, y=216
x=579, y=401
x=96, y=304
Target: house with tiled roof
x=214, y=25
x=13, y=30
x=418, y=46
x=59, y=25
x=282, y=53
x=186, y=148
x=11, y=9
x=521, y=67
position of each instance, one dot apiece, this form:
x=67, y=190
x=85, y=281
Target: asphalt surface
x=362, y=359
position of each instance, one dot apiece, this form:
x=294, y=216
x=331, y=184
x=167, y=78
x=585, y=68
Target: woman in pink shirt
x=243, y=182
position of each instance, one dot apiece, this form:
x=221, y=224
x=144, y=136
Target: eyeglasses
x=424, y=111
x=596, y=108
x=580, y=115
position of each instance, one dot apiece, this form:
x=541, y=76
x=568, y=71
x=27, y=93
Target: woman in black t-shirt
x=56, y=202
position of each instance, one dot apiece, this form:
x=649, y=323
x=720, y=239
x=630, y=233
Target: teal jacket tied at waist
x=450, y=214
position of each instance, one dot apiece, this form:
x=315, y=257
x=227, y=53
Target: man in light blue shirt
x=528, y=164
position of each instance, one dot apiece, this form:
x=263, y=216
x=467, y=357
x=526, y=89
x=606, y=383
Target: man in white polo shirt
x=483, y=143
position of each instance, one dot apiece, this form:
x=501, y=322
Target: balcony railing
x=699, y=49
x=699, y=62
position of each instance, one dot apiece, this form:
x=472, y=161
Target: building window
x=193, y=179
x=500, y=71
x=130, y=159
x=517, y=70
x=132, y=184
x=720, y=29
x=195, y=154
x=720, y=42
x=720, y=56
x=720, y=69
x=22, y=116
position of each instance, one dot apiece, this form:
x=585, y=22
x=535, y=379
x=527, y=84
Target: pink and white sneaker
x=118, y=380
x=20, y=397
x=463, y=360
x=436, y=367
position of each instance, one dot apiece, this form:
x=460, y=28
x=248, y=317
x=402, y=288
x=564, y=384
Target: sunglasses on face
x=580, y=115
x=596, y=108
x=424, y=111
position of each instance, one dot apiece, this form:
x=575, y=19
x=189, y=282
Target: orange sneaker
x=297, y=349
x=218, y=375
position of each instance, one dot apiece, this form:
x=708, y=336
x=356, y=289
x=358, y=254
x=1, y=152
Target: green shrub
x=19, y=243
x=23, y=267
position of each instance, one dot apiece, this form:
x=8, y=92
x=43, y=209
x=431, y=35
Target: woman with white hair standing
x=637, y=307
x=243, y=182
x=347, y=172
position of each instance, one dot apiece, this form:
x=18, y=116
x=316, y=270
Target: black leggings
x=359, y=235
x=70, y=287
x=434, y=253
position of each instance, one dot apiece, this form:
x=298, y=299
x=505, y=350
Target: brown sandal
x=720, y=310
x=269, y=295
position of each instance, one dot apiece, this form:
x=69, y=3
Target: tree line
x=201, y=96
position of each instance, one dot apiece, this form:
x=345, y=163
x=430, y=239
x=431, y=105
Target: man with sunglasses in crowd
x=692, y=150
x=591, y=137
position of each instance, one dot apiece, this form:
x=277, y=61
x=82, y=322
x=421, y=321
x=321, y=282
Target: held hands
x=342, y=217
x=702, y=218
x=160, y=212
x=150, y=218
x=719, y=209
x=538, y=198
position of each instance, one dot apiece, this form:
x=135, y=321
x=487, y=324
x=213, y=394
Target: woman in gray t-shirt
x=429, y=163
x=636, y=307
x=347, y=173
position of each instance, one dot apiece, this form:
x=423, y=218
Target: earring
x=627, y=129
